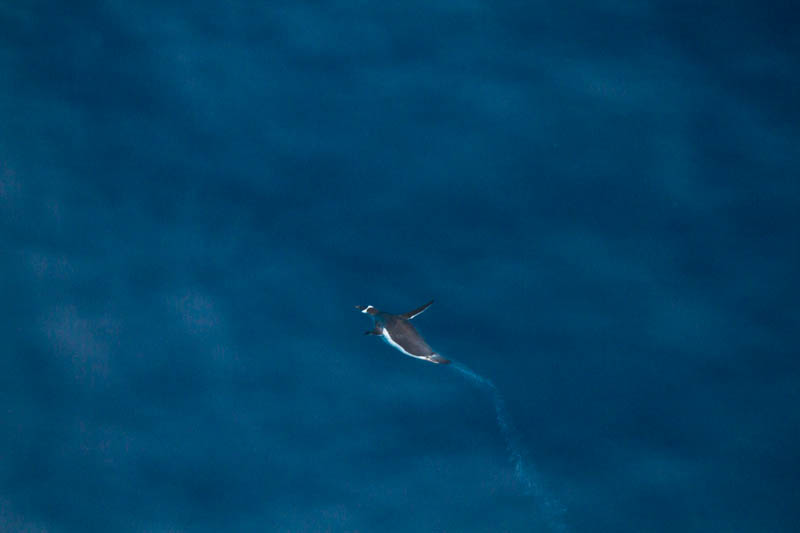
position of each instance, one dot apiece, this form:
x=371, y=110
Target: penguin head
x=368, y=309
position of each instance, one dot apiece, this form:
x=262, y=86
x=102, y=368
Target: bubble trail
x=551, y=510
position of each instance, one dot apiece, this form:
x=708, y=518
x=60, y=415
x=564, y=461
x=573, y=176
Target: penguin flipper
x=415, y=312
x=376, y=331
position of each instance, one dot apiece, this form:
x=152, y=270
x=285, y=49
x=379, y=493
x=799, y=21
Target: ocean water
x=602, y=197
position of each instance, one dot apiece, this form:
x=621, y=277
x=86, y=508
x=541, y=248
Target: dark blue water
x=602, y=197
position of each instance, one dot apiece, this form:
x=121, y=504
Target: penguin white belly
x=393, y=343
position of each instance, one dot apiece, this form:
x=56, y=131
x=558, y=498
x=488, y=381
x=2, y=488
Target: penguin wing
x=415, y=312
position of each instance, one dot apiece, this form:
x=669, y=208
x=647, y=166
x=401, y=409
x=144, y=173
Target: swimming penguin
x=398, y=331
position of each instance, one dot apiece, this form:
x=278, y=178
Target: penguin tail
x=438, y=359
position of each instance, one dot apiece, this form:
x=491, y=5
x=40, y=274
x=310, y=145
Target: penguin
x=398, y=331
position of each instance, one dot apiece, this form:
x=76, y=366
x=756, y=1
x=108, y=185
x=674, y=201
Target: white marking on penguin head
x=368, y=309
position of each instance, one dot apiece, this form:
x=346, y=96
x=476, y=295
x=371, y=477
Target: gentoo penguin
x=398, y=331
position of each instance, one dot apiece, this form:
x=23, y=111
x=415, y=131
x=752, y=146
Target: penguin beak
x=360, y=307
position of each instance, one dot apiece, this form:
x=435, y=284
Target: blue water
x=602, y=197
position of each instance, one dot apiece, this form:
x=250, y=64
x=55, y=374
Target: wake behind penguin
x=398, y=331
